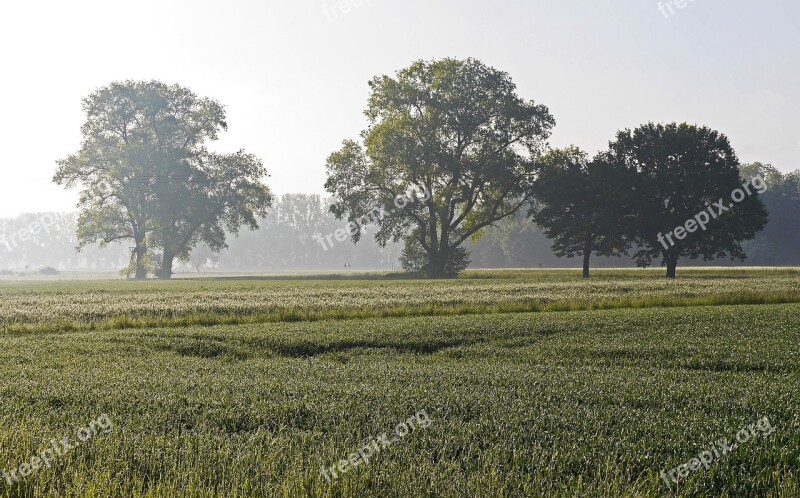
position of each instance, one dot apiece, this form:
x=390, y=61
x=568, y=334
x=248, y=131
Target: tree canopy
x=455, y=131
x=147, y=176
x=450, y=151
x=683, y=195
x=577, y=203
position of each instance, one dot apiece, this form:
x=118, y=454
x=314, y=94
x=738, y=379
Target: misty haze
x=378, y=248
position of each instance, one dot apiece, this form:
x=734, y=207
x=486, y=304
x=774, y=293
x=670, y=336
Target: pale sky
x=293, y=74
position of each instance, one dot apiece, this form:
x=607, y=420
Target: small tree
x=683, y=179
x=577, y=203
x=202, y=256
x=454, y=130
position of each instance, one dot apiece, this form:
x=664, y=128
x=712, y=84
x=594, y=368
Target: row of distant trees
x=33, y=241
x=285, y=241
x=454, y=129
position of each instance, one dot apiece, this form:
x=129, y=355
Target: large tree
x=203, y=201
x=684, y=179
x=456, y=133
x=577, y=203
x=143, y=168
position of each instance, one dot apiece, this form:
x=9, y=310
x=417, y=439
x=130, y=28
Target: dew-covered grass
x=110, y=305
x=585, y=403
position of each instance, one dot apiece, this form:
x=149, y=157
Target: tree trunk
x=443, y=255
x=166, y=266
x=436, y=265
x=672, y=265
x=587, y=254
x=141, y=252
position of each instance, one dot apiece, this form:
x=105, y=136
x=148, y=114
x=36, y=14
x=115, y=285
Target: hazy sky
x=293, y=74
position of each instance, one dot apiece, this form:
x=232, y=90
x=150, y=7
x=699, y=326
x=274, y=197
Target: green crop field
x=497, y=384
x=58, y=306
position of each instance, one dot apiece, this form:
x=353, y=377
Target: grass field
x=251, y=387
x=82, y=305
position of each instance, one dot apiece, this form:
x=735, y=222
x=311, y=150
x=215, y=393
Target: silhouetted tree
x=683, y=179
x=578, y=204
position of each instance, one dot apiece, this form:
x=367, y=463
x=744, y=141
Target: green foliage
x=677, y=171
x=454, y=131
x=581, y=404
x=146, y=175
x=577, y=203
x=225, y=193
x=414, y=259
x=149, y=264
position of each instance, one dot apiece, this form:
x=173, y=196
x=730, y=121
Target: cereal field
x=497, y=384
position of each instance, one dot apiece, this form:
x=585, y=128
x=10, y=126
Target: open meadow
x=503, y=383
x=318, y=249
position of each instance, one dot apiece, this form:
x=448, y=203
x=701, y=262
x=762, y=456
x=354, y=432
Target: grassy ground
x=587, y=403
x=59, y=306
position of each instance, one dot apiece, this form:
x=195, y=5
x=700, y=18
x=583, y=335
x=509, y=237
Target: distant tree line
x=285, y=241
x=33, y=241
x=454, y=129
